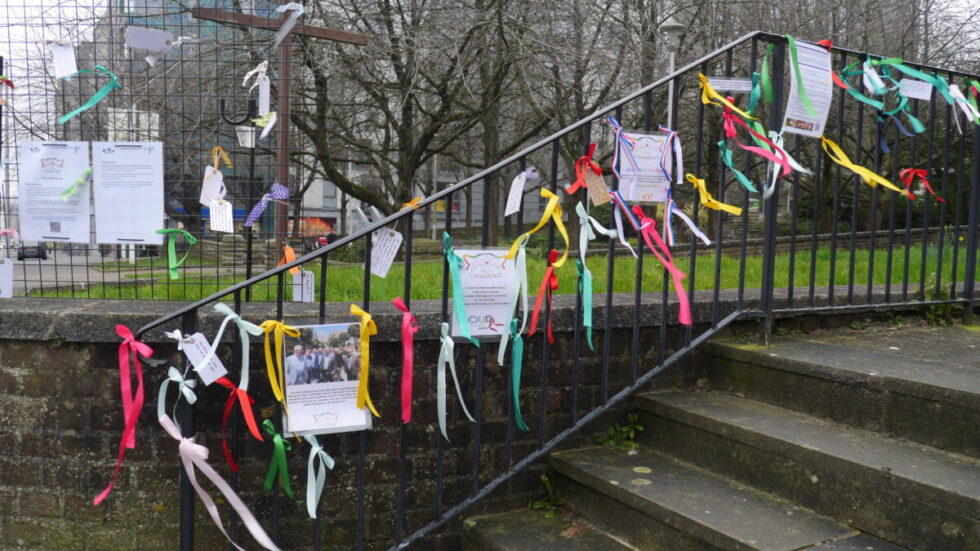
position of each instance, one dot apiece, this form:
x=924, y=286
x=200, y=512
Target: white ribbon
x=295, y=10
x=774, y=169
x=262, y=81
x=316, y=477
x=518, y=290
x=180, y=338
x=963, y=104
x=245, y=328
x=154, y=57
x=586, y=233
x=446, y=357
x=186, y=386
x=618, y=217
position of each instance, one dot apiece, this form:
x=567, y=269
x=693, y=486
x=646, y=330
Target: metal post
x=282, y=133
x=186, y=421
x=772, y=204
x=969, y=270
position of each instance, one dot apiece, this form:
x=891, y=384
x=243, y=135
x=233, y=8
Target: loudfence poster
x=487, y=278
x=47, y=170
x=322, y=370
x=649, y=185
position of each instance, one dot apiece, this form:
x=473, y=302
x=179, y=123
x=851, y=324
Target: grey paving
x=531, y=530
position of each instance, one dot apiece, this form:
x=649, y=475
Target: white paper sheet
x=303, y=285
x=222, y=218
x=727, y=84
x=6, y=278
x=46, y=170
x=145, y=38
x=64, y=58
x=515, y=194
x=916, y=89
x=322, y=378
x=128, y=192
x=487, y=279
x=815, y=67
x=651, y=184
x=384, y=247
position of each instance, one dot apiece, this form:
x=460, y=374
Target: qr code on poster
x=55, y=226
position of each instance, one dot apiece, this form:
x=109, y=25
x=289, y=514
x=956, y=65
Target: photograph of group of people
x=322, y=364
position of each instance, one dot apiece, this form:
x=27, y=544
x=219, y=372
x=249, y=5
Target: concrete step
x=531, y=530
x=657, y=503
x=914, y=495
x=919, y=383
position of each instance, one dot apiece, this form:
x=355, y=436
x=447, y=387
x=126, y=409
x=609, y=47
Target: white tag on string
x=303, y=287
x=212, y=187
x=916, y=89
x=221, y=216
x=6, y=278
x=246, y=136
x=196, y=347
x=64, y=58
x=726, y=84
x=515, y=194
x=145, y=38
x=384, y=248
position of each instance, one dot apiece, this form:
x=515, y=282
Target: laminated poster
x=487, y=278
x=650, y=184
x=46, y=170
x=814, y=63
x=128, y=182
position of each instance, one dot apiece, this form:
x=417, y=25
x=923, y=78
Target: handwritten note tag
x=213, y=186
x=916, y=89
x=6, y=278
x=145, y=38
x=515, y=194
x=196, y=348
x=384, y=249
x=725, y=84
x=64, y=58
x=598, y=192
x=303, y=286
x=221, y=216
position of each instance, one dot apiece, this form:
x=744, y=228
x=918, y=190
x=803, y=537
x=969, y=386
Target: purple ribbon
x=277, y=192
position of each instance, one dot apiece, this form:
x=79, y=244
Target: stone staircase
x=839, y=441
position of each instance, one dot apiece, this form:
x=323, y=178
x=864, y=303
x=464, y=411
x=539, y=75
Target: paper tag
x=516, y=193
x=303, y=287
x=145, y=38
x=383, y=250
x=725, y=84
x=916, y=89
x=221, y=216
x=264, y=95
x=64, y=58
x=246, y=136
x=6, y=278
x=872, y=81
x=598, y=192
x=212, y=187
x=196, y=347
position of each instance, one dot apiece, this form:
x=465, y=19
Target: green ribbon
x=516, y=357
x=726, y=158
x=586, y=234
x=793, y=56
x=73, y=189
x=766, y=78
x=850, y=71
x=278, y=465
x=96, y=97
x=585, y=288
x=459, y=308
x=970, y=83
x=937, y=81
x=755, y=95
x=172, y=263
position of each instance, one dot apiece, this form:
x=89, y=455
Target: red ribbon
x=909, y=175
x=548, y=284
x=826, y=43
x=584, y=163
x=8, y=82
x=648, y=228
x=246, y=401
x=779, y=157
x=409, y=327
x=132, y=402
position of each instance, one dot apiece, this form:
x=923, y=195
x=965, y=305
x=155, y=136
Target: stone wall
x=60, y=422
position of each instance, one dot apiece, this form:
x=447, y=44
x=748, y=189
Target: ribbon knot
x=368, y=329
x=455, y=262
x=97, y=97
x=186, y=386
x=278, y=465
x=552, y=211
x=410, y=326
x=446, y=358
x=908, y=175
x=275, y=372
x=583, y=164
x=132, y=400
x=172, y=262
x=708, y=200
x=316, y=477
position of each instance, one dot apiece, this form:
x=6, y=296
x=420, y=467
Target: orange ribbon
x=288, y=255
x=548, y=284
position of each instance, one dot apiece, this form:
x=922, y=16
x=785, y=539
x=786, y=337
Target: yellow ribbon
x=217, y=153
x=277, y=382
x=551, y=211
x=708, y=200
x=368, y=328
x=413, y=204
x=709, y=97
x=837, y=155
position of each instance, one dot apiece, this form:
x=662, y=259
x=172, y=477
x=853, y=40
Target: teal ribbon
x=585, y=288
x=81, y=181
x=316, y=477
x=459, y=308
x=278, y=465
x=851, y=71
x=96, y=97
x=968, y=84
x=756, y=93
x=726, y=158
x=938, y=82
x=586, y=234
x=446, y=357
x=245, y=328
x=172, y=263
x=516, y=359
x=801, y=90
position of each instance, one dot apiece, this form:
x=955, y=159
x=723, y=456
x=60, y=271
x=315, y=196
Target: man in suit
x=296, y=367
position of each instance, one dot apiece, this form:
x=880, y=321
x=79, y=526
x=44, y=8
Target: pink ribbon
x=648, y=228
x=132, y=402
x=779, y=157
x=194, y=455
x=410, y=326
x=11, y=232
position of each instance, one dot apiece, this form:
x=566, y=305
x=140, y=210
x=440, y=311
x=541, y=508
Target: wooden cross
x=285, y=61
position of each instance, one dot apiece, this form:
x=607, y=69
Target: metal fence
x=825, y=242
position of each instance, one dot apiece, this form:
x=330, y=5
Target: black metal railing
x=805, y=226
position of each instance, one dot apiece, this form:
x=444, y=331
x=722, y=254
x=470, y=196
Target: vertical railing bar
x=817, y=208
x=746, y=201
x=856, y=195
x=695, y=201
x=913, y=150
x=440, y=443
x=579, y=305
x=794, y=201
x=403, y=427
x=323, y=289
x=610, y=274
x=719, y=226
x=941, y=245
x=873, y=206
x=187, y=495
x=772, y=204
x=892, y=200
x=927, y=199
x=481, y=351
x=958, y=218
x=236, y=359
x=638, y=279
x=509, y=445
x=277, y=412
x=969, y=275
x=545, y=345
x=835, y=213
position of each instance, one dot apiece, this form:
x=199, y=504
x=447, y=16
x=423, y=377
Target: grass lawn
x=345, y=282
